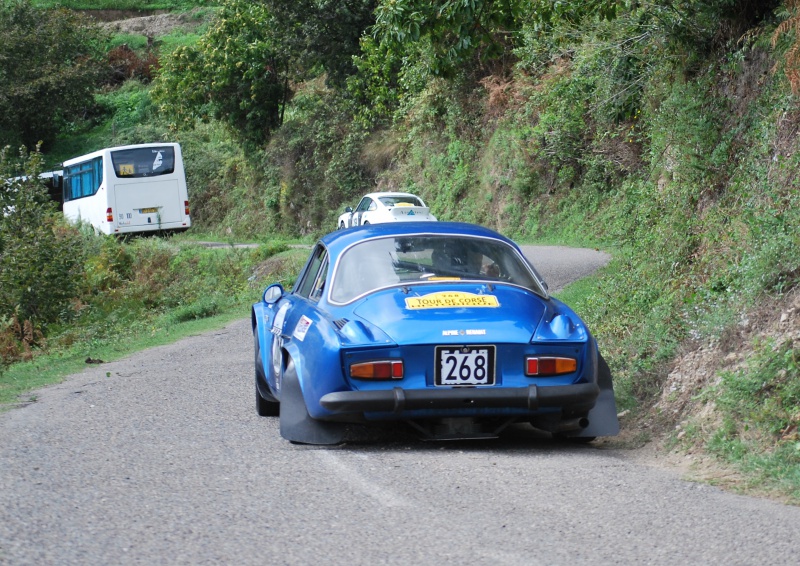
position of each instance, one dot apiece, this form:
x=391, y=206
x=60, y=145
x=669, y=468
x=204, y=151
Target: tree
x=237, y=73
x=322, y=34
x=41, y=256
x=50, y=64
x=451, y=31
x=241, y=70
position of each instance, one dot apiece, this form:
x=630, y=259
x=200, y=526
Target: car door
x=282, y=319
x=363, y=207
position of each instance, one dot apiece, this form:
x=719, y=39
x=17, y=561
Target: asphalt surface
x=560, y=265
x=160, y=459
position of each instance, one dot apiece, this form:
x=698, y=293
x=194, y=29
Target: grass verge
x=21, y=379
x=118, y=334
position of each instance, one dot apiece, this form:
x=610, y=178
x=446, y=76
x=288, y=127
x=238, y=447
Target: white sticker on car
x=277, y=323
x=468, y=332
x=302, y=327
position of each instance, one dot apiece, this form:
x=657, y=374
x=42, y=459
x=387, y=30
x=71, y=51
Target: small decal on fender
x=302, y=328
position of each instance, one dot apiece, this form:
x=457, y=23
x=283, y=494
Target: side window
x=83, y=179
x=372, y=206
x=317, y=266
x=319, y=285
x=364, y=204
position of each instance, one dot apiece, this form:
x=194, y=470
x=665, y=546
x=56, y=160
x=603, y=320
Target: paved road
x=560, y=265
x=161, y=459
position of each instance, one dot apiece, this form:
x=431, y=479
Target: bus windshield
x=143, y=162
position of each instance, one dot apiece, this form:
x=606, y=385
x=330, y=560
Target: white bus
x=128, y=189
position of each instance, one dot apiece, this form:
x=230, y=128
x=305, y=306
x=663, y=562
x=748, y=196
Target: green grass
x=21, y=379
x=577, y=292
x=760, y=408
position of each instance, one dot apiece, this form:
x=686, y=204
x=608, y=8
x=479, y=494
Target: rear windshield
x=409, y=200
x=143, y=161
x=408, y=260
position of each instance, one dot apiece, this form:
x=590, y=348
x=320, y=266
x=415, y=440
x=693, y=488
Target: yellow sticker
x=126, y=169
x=451, y=300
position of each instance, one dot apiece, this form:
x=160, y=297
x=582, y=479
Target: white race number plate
x=464, y=365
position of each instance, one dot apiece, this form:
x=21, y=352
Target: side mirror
x=273, y=293
x=348, y=209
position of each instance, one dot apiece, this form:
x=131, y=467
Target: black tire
x=341, y=225
x=264, y=407
x=366, y=223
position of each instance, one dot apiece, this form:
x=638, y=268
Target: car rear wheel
x=264, y=407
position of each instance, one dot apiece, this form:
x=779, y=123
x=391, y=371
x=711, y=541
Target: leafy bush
x=41, y=257
x=236, y=72
x=127, y=64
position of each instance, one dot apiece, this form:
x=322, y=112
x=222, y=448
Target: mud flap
x=296, y=424
x=603, y=419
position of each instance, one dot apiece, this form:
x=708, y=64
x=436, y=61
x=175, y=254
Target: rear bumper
x=576, y=397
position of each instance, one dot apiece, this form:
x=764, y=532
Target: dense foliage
x=50, y=68
x=237, y=72
x=321, y=35
x=41, y=257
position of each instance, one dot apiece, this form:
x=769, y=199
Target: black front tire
x=264, y=407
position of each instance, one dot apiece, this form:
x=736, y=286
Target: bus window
x=143, y=162
x=83, y=179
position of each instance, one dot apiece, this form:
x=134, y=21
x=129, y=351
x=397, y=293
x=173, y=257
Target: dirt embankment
x=150, y=25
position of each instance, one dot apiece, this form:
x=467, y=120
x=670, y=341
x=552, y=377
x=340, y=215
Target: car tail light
x=109, y=214
x=186, y=207
x=541, y=365
x=382, y=369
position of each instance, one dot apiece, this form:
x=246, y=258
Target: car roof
x=337, y=241
x=390, y=194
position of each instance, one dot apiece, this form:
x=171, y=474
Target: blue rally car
x=445, y=326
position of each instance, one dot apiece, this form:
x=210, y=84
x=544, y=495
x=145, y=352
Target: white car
x=385, y=207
